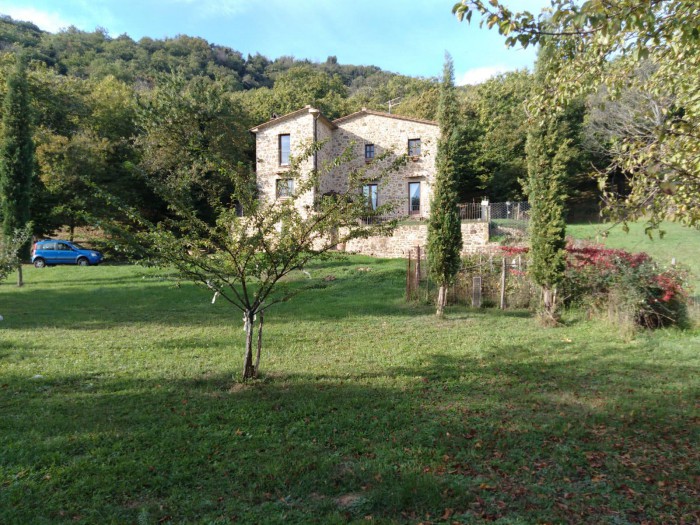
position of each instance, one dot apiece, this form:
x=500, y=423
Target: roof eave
x=383, y=114
x=310, y=109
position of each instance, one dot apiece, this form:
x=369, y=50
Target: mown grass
x=119, y=403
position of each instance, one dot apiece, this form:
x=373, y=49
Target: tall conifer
x=16, y=157
x=444, y=228
x=548, y=156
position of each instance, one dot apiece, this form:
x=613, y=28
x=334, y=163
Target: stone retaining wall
x=475, y=236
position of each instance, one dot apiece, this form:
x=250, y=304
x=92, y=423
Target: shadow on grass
x=581, y=439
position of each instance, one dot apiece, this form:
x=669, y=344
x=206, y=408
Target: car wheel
x=39, y=262
x=83, y=262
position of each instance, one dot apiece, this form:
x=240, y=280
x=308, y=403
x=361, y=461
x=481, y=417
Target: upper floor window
x=369, y=151
x=413, y=147
x=284, y=187
x=284, y=150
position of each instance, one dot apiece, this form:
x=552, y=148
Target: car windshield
x=77, y=246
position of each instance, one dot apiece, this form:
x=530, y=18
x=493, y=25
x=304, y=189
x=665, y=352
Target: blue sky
x=404, y=36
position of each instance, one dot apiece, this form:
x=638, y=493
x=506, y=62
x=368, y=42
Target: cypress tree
x=548, y=153
x=444, y=228
x=16, y=157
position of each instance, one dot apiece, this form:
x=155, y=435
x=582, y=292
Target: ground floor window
x=284, y=187
x=414, y=198
x=370, y=193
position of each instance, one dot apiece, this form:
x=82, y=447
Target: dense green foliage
x=548, y=155
x=367, y=407
x=444, y=225
x=10, y=247
x=547, y=158
x=16, y=156
x=87, y=87
x=607, y=44
x=192, y=142
x=500, y=107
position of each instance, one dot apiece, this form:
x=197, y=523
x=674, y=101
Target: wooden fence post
x=417, y=277
x=476, y=291
x=427, y=281
x=503, y=284
x=408, y=276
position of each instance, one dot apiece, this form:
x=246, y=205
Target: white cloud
x=47, y=21
x=478, y=75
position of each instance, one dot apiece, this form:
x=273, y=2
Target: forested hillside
x=106, y=111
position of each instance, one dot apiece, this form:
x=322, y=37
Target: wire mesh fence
x=509, y=219
x=473, y=212
x=495, y=211
x=506, y=219
x=485, y=280
x=493, y=280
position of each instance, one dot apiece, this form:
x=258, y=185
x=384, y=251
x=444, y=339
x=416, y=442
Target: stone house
x=369, y=134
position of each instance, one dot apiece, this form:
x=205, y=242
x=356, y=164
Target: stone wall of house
x=475, y=237
x=268, y=169
x=388, y=134
x=324, y=134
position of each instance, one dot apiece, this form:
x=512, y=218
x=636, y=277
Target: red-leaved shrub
x=629, y=286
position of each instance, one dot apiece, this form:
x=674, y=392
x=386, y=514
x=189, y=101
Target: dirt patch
x=348, y=500
x=238, y=387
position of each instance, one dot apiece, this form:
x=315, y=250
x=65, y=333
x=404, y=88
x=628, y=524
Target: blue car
x=50, y=252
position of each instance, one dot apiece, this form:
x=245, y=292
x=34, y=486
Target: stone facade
x=389, y=134
x=269, y=169
x=475, y=237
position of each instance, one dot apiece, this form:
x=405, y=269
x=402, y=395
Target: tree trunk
x=549, y=300
x=20, y=279
x=248, y=368
x=72, y=231
x=441, y=300
x=257, y=356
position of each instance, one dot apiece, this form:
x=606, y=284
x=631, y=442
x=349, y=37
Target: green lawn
x=119, y=404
